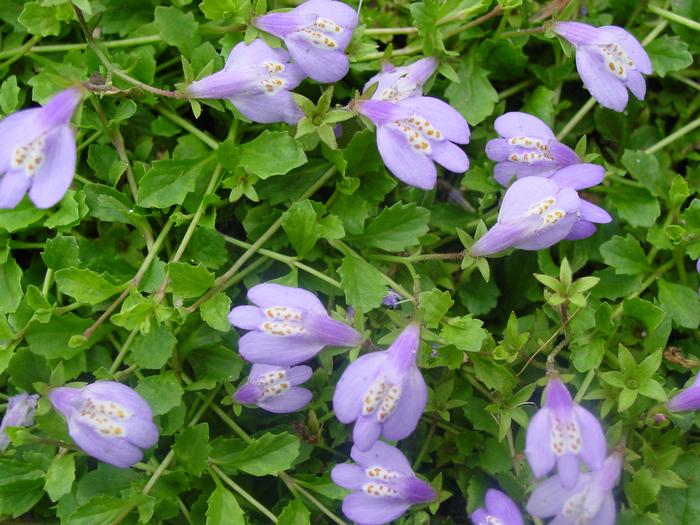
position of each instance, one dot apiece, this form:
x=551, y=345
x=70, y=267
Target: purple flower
x=383, y=485
x=397, y=83
x=274, y=388
x=560, y=434
x=288, y=326
x=610, y=60
x=256, y=79
x=529, y=149
x=688, y=399
x=316, y=34
x=20, y=413
x=500, y=510
x=391, y=299
x=38, y=152
x=538, y=212
x=588, y=502
x=107, y=420
x=383, y=392
x=415, y=132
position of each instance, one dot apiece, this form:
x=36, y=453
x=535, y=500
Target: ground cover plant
x=429, y=262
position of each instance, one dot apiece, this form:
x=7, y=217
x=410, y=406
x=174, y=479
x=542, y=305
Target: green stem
x=517, y=88
x=379, y=31
x=245, y=495
x=426, y=443
x=188, y=126
x=674, y=136
x=584, y=386
x=578, y=117
x=20, y=52
x=63, y=48
x=645, y=284
x=291, y=261
x=673, y=17
x=122, y=352
x=294, y=486
x=221, y=282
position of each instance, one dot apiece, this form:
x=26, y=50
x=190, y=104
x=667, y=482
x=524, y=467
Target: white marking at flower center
x=616, y=60
x=381, y=397
x=493, y=520
x=29, y=157
x=539, y=209
x=566, y=437
x=575, y=508
x=283, y=321
x=273, y=384
x=419, y=132
x=539, y=150
x=401, y=89
x=272, y=81
x=380, y=473
x=549, y=218
x=319, y=39
x=380, y=490
x=106, y=417
x=327, y=26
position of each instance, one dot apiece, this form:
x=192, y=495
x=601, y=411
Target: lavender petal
x=441, y=115
x=266, y=108
x=115, y=451
x=537, y=443
x=369, y=510
x=282, y=24
x=607, y=89
x=519, y=124
x=631, y=46
x=56, y=174
x=381, y=111
x=503, y=236
x=224, y=84
x=348, y=476
x=60, y=108
x=382, y=454
x=340, y=13
x=320, y=64
x=414, y=397
x=246, y=317
x=593, y=444
x=581, y=230
x=550, y=495
x=261, y=347
x=505, y=172
x=366, y=432
x=16, y=130
x=406, y=164
x=449, y=156
x=568, y=469
x=688, y=399
x=266, y=295
x=636, y=84
x=329, y=331
x=579, y=176
x=354, y=383
x=503, y=508
x=248, y=394
x=299, y=374
x=13, y=187
x=415, y=490
x=593, y=213
x=292, y=400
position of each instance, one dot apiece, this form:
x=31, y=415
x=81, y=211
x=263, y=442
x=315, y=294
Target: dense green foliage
x=178, y=208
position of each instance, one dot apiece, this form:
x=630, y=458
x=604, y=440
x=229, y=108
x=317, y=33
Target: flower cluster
x=20, y=413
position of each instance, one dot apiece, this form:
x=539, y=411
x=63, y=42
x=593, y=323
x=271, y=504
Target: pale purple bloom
x=397, y=83
x=538, y=212
x=688, y=399
x=256, y=79
x=529, y=149
x=382, y=483
x=20, y=413
x=610, y=60
x=274, y=388
x=316, y=34
x=38, y=152
x=107, y=420
x=415, y=132
x=588, y=502
x=287, y=326
x=500, y=510
x=560, y=434
x=383, y=392
x=391, y=299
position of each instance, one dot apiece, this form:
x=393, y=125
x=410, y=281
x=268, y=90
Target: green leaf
x=9, y=95
x=215, y=311
x=300, y=225
x=192, y=448
x=40, y=20
x=52, y=339
x=60, y=476
x=86, y=286
x=20, y=496
x=100, y=510
x=650, y=314
x=635, y=205
x=20, y=217
x=474, y=97
x=238, y=10
x=271, y=153
x=364, y=286
x=10, y=286
x=152, y=350
x=295, y=513
x=643, y=488
x=464, y=332
x=188, y=281
x=223, y=509
x=587, y=355
x=178, y=28
x=668, y=53
x=396, y=228
x=625, y=254
x=108, y=204
x=162, y=392
x=645, y=168
x=434, y=305
x=267, y=455
x=681, y=303
x=168, y=182
x=682, y=506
